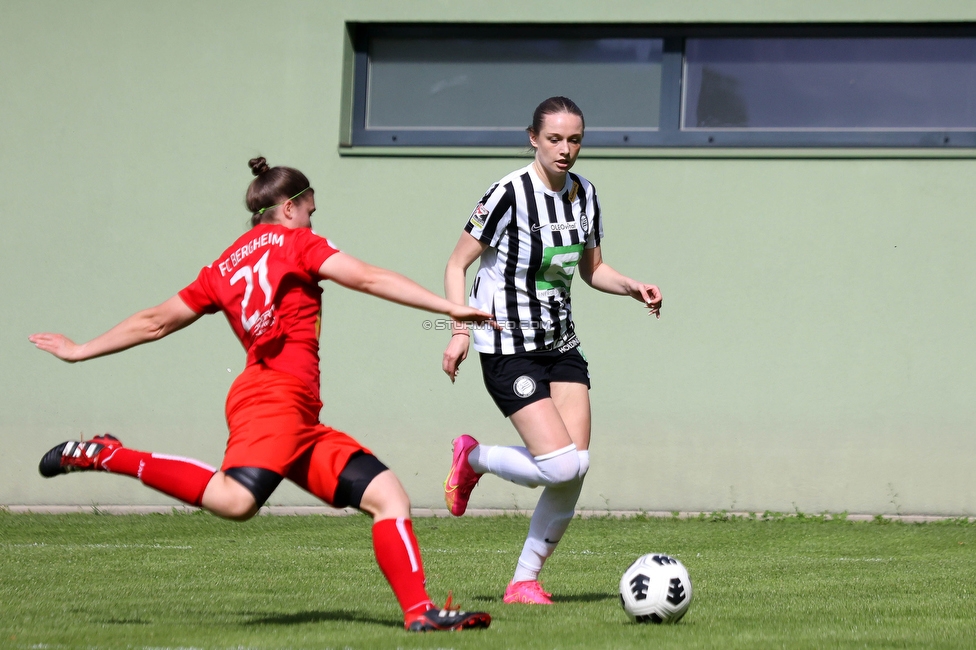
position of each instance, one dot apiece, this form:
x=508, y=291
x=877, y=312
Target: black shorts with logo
x=516, y=380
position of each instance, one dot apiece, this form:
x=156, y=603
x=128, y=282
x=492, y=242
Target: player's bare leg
x=572, y=401
x=385, y=498
x=541, y=427
x=227, y=498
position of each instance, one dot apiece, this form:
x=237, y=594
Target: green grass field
x=194, y=581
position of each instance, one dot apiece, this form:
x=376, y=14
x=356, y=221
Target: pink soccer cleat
x=462, y=478
x=528, y=592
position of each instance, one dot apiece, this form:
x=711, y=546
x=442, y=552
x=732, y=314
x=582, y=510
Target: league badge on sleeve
x=478, y=216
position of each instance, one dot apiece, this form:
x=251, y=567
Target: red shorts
x=273, y=420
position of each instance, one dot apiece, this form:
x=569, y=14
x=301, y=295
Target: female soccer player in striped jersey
x=532, y=230
x=266, y=283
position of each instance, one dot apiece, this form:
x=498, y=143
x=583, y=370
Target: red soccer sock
x=398, y=555
x=181, y=478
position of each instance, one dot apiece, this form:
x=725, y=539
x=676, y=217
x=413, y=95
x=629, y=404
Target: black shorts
x=516, y=380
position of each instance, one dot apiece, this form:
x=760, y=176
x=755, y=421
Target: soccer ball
x=655, y=589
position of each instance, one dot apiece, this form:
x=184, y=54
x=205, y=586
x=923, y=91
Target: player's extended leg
x=567, y=410
x=186, y=479
x=394, y=544
x=557, y=505
x=548, y=457
x=367, y=484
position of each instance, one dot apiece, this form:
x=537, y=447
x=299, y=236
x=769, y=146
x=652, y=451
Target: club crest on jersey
x=478, y=216
x=584, y=222
x=524, y=386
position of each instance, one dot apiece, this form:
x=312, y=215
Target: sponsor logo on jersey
x=557, y=267
x=570, y=344
x=478, y=216
x=558, y=294
x=555, y=227
x=524, y=386
x=258, y=324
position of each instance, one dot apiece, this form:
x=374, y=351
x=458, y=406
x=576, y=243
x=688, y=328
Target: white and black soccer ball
x=656, y=588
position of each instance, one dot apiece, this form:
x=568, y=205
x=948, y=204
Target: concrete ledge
x=292, y=511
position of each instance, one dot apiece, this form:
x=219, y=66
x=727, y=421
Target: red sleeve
x=198, y=296
x=313, y=251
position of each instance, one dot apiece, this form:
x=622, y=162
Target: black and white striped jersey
x=535, y=239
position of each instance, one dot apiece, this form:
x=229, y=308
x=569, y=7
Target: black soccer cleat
x=76, y=455
x=447, y=619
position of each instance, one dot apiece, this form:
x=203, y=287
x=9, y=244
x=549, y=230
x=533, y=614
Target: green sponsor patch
x=558, y=266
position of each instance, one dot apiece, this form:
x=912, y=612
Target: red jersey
x=266, y=284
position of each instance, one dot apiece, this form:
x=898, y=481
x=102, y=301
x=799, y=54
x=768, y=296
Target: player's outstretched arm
x=600, y=275
x=355, y=274
x=147, y=325
x=466, y=251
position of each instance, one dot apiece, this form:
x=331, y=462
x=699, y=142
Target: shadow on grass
x=299, y=618
x=557, y=598
x=487, y=599
x=122, y=621
x=584, y=598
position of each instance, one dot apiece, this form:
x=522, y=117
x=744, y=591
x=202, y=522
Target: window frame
x=669, y=134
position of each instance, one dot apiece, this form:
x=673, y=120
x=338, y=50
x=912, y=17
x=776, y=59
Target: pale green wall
x=817, y=345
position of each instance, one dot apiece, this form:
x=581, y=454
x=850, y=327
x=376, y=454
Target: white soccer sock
x=551, y=518
x=517, y=465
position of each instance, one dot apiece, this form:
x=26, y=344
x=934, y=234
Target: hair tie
x=291, y=198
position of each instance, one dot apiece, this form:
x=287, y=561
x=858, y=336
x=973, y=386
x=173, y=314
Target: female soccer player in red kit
x=266, y=284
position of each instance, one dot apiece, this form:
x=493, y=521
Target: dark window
x=668, y=85
x=496, y=83
x=830, y=84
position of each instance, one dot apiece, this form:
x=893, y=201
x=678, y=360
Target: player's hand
x=57, y=344
x=465, y=314
x=456, y=352
x=650, y=295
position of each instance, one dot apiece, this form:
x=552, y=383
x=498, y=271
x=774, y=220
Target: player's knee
x=240, y=511
x=390, y=504
x=560, y=466
x=237, y=505
x=584, y=463
x=245, y=490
